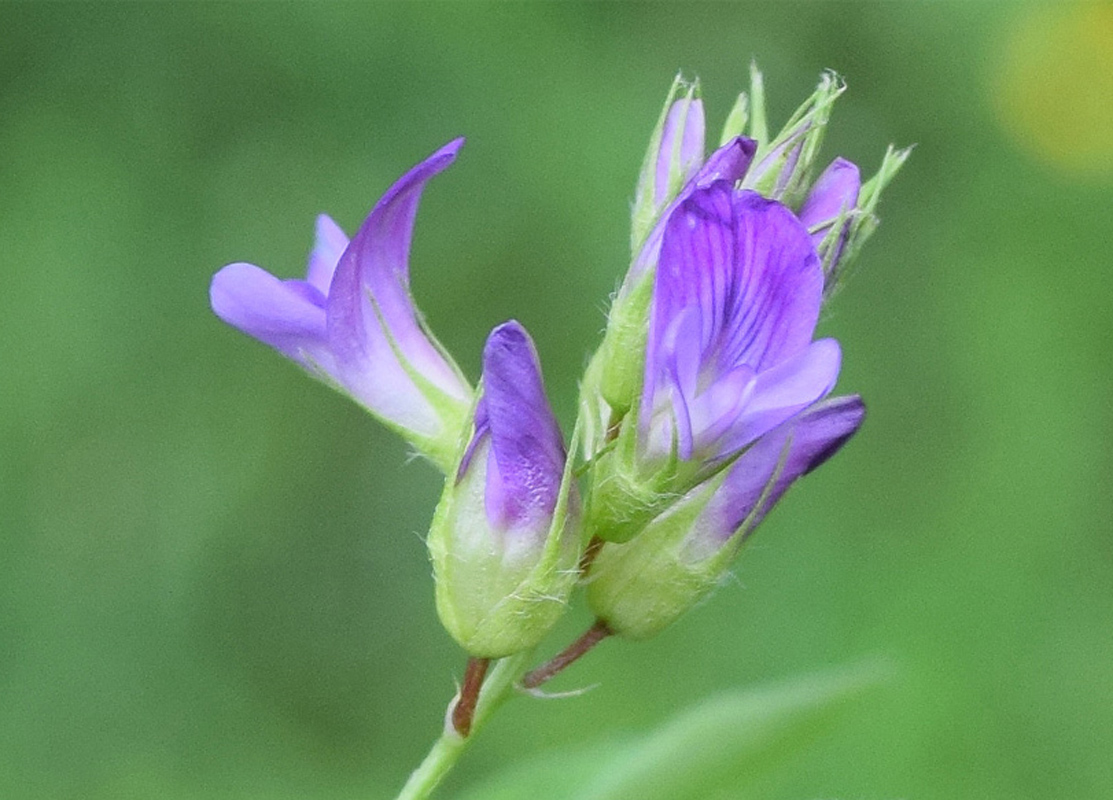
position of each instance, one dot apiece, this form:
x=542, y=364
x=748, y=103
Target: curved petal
x=287, y=315
x=374, y=329
x=526, y=459
x=785, y=390
x=764, y=473
x=329, y=245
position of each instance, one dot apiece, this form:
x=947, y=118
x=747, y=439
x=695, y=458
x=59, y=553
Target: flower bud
x=782, y=167
x=675, y=153
x=505, y=536
x=828, y=211
x=640, y=587
x=845, y=235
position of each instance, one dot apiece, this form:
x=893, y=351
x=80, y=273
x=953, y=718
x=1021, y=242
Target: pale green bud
x=505, y=538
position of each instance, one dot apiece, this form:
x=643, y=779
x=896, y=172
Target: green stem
x=446, y=751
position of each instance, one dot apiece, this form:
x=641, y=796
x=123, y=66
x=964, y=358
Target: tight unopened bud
x=505, y=538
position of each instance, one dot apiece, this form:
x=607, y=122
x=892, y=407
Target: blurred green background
x=212, y=575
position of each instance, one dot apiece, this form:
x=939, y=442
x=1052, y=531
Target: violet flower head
x=352, y=322
x=505, y=537
x=729, y=354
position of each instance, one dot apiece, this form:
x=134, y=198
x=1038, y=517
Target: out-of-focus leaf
x=716, y=748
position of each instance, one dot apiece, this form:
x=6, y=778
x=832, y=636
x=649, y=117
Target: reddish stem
x=592, y=636
x=590, y=552
x=464, y=710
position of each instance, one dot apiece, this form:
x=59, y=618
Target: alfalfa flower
x=838, y=210
x=352, y=322
x=505, y=536
x=729, y=353
x=640, y=587
x=674, y=167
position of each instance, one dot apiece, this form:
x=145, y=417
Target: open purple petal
x=526, y=457
x=756, y=481
x=330, y=244
x=374, y=329
x=738, y=284
x=287, y=315
x=784, y=391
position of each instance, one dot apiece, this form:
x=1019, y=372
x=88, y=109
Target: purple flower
x=764, y=472
x=505, y=538
x=352, y=321
x=729, y=354
x=640, y=587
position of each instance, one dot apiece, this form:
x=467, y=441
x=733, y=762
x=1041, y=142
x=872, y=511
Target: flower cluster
x=708, y=397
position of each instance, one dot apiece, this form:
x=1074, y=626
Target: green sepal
x=622, y=353
x=795, y=147
x=497, y=596
x=640, y=587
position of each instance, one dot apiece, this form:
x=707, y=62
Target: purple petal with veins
x=729, y=351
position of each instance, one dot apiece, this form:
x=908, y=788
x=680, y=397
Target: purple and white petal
x=374, y=329
x=525, y=463
x=287, y=315
x=785, y=390
x=737, y=293
x=761, y=475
